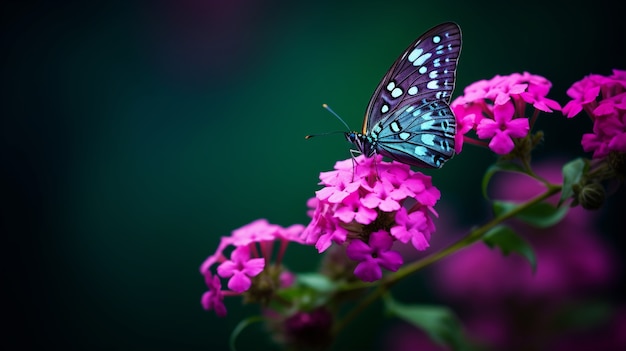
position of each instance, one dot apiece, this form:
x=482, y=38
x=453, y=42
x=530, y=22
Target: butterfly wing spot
x=384, y=108
x=377, y=128
x=432, y=74
x=420, y=151
x=404, y=135
x=421, y=59
x=395, y=127
x=412, y=90
x=433, y=84
x=437, y=62
x=396, y=92
x=436, y=39
x=428, y=139
x=391, y=85
x=417, y=52
x=422, y=70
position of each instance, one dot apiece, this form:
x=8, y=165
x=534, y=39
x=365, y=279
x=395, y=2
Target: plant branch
x=472, y=237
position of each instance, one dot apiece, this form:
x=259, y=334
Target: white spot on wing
x=432, y=74
x=422, y=69
x=384, y=108
x=415, y=54
x=428, y=139
x=404, y=135
x=391, y=85
x=412, y=90
x=420, y=60
x=420, y=151
x=432, y=84
x=396, y=92
x=436, y=39
x=395, y=126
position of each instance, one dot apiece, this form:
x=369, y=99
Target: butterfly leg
x=353, y=154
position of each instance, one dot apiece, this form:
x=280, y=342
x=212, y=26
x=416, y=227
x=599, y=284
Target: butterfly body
x=408, y=118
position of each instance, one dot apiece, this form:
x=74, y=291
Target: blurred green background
x=135, y=134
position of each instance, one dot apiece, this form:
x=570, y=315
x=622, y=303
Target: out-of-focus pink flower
x=496, y=292
x=369, y=195
x=495, y=108
x=214, y=298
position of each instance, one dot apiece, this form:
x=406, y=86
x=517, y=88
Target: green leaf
x=240, y=327
x=317, y=282
x=572, y=173
x=508, y=241
x=540, y=215
x=439, y=322
x=499, y=167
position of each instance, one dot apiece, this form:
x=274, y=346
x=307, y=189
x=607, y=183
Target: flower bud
x=591, y=196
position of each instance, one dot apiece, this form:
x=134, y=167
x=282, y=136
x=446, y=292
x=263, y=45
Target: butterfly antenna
x=334, y=132
x=336, y=115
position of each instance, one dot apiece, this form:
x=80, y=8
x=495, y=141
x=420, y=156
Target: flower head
x=604, y=101
x=369, y=205
x=249, y=260
x=496, y=108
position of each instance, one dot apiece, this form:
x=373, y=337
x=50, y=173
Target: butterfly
x=408, y=118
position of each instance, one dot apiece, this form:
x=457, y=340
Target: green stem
x=472, y=237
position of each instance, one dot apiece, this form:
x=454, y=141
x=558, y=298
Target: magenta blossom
x=502, y=128
x=374, y=255
x=214, y=298
x=496, y=109
x=604, y=101
x=253, y=244
x=240, y=269
x=372, y=196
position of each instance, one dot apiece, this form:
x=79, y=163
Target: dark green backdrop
x=135, y=134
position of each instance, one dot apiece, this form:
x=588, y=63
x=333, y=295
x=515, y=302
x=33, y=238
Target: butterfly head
x=363, y=143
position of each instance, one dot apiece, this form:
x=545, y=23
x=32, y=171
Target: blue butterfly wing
x=419, y=135
x=426, y=70
x=408, y=118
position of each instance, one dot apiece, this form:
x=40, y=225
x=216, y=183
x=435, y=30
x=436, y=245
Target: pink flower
x=586, y=91
x=373, y=256
x=240, y=268
x=502, y=128
x=253, y=248
x=604, y=101
x=367, y=197
x=414, y=227
x=214, y=298
x=495, y=109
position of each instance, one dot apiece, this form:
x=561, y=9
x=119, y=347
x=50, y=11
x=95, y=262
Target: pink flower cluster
x=496, y=109
x=604, y=100
x=253, y=244
x=368, y=204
